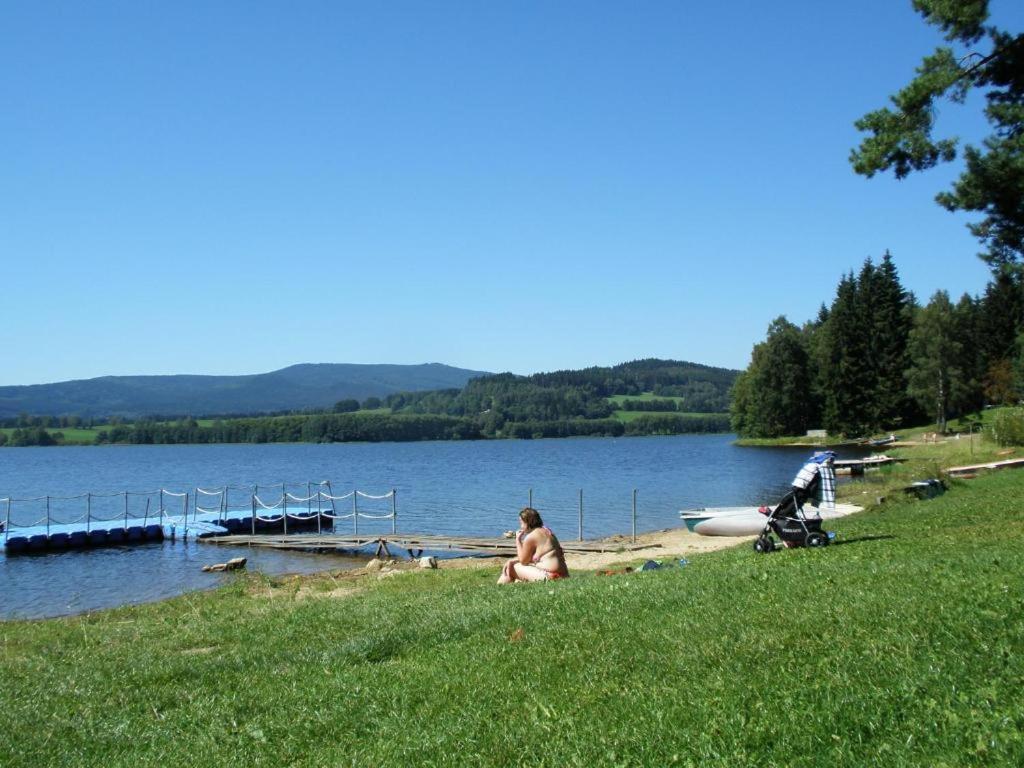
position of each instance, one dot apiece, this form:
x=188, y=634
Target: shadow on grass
x=859, y=539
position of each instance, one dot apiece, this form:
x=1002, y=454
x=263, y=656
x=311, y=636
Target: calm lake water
x=473, y=488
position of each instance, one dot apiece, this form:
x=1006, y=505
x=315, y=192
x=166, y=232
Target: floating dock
x=188, y=519
x=103, y=533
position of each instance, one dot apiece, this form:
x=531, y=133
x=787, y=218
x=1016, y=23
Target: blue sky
x=234, y=187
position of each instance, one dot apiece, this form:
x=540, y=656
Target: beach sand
x=666, y=544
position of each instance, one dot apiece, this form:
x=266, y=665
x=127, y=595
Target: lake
x=472, y=488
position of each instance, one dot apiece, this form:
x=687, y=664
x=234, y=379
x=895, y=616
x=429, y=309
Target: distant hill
x=298, y=387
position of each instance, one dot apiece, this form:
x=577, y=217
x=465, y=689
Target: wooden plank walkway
x=413, y=543
x=975, y=468
x=857, y=466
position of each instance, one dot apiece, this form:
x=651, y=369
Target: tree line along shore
x=876, y=360
x=643, y=397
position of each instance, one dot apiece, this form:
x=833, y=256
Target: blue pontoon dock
x=194, y=514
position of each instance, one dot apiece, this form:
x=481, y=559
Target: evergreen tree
x=861, y=352
x=848, y=378
x=966, y=324
x=1000, y=322
x=902, y=139
x=892, y=318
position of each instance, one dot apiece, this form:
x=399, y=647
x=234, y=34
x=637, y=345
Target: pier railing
x=295, y=504
x=182, y=508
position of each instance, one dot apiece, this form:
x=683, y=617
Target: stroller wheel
x=816, y=539
x=764, y=545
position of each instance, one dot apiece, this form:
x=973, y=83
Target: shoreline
x=665, y=545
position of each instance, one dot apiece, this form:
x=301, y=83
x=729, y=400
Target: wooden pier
x=413, y=543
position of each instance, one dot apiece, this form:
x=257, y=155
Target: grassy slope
x=646, y=397
x=628, y=416
x=905, y=646
x=72, y=435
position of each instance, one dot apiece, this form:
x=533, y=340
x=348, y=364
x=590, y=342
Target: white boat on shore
x=747, y=521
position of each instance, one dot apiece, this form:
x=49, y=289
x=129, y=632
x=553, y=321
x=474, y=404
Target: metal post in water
x=355, y=512
x=88, y=511
x=145, y=515
x=284, y=507
x=530, y=504
x=319, y=511
x=309, y=498
x=161, y=511
x=581, y=514
x=7, y=524
x=126, y=510
x=394, y=511
x=334, y=507
x=253, y=518
x=634, y=515
x=47, y=515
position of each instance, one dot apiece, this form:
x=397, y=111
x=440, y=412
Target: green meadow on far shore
x=71, y=435
x=901, y=644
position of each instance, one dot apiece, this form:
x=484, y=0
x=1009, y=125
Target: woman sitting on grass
x=539, y=556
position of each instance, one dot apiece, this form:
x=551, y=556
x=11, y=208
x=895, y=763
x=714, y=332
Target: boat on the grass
x=747, y=521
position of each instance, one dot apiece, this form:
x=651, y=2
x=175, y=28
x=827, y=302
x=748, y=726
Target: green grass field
x=72, y=436
x=628, y=416
x=902, y=645
x=645, y=397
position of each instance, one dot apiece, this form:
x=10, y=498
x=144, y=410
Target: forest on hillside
x=693, y=398
x=876, y=359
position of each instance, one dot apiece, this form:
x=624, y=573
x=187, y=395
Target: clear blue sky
x=232, y=187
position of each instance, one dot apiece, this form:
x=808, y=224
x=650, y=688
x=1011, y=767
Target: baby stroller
x=788, y=521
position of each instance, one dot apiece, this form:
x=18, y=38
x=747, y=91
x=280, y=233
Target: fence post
x=88, y=512
x=394, y=512
x=334, y=507
x=355, y=512
x=47, y=515
x=126, y=510
x=581, y=514
x=634, y=515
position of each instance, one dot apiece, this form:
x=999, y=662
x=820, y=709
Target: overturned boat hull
x=746, y=521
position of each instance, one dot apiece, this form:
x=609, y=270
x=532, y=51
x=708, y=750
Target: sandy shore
x=657, y=545
x=667, y=544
